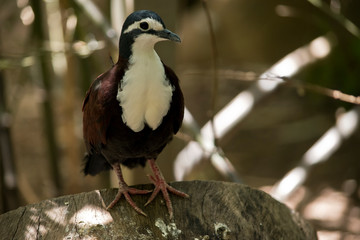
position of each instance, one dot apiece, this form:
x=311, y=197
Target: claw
x=126, y=191
x=161, y=185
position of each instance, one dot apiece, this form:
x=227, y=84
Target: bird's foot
x=165, y=188
x=126, y=191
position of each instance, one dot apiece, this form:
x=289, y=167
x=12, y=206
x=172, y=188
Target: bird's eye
x=144, y=26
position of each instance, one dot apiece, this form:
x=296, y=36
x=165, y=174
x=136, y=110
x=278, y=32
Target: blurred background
x=268, y=69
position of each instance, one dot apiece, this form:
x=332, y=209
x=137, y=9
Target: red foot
x=160, y=184
x=126, y=191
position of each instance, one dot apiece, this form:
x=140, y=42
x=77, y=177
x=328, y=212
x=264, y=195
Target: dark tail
x=95, y=163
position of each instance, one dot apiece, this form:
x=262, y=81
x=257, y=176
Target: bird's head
x=142, y=29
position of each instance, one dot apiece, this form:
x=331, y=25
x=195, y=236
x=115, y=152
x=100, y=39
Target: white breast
x=144, y=93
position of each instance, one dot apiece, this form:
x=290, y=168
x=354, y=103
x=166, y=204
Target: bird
x=133, y=110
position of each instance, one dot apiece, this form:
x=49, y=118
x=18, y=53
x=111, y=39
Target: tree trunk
x=215, y=210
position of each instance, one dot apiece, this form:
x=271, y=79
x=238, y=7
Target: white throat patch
x=144, y=93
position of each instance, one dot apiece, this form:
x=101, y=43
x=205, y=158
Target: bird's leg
x=160, y=184
x=126, y=191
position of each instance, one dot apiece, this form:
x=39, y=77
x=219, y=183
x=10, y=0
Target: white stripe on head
x=153, y=24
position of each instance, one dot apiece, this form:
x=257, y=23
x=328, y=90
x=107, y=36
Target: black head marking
x=138, y=15
x=138, y=23
x=127, y=39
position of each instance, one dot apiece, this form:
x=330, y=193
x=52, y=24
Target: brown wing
x=97, y=107
x=177, y=103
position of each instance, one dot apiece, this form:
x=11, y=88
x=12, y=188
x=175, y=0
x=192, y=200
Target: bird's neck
x=144, y=92
x=139, y=46
x=144, y=55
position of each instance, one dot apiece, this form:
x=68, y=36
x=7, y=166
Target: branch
x=95, y=15
x=215, y=67
x=345, y=126
x=238, y=108
x=335, y=94
x=216, y=154
x=252, y=77
x=341, y=19
x=215, y=210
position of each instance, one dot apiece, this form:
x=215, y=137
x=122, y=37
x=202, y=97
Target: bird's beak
x=167, y=34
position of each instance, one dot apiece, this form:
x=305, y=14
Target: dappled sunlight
x=27, y=15
x=30, y=232
x=285, y=11
x=294, y=178
x=57, y=214
x=330, y=206
x=320, y=47
x=224, y=119
x=348, y=122
x=321, y=150
x=282, y=110
x=334, y=215
x=238, y=108
x=329, y=235
x=181, y=168
x=89, y=214
x=68, y=216
x=293, y=62
x=345, y=126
